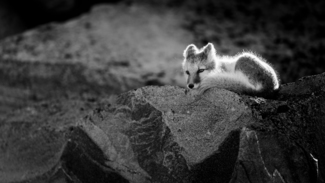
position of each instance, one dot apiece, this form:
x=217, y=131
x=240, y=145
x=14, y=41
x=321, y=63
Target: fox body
x=244, y=73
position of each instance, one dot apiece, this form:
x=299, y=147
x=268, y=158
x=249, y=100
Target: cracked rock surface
x=166, y=134
x=70, y=110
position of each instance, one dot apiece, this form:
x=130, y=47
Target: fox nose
x=191, y=86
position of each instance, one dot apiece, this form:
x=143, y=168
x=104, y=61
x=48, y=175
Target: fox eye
x=200, y=70
x=188, y=73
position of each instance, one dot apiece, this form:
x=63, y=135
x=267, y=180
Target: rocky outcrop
x=111, y=50
x=119, y=50
x=68, y=112
x=166, y=134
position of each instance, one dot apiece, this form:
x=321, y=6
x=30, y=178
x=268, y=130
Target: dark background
x=293, y=31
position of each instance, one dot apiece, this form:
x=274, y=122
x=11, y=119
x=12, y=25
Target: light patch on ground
x=129, y=41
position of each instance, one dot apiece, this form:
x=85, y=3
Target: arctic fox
x=243, y=73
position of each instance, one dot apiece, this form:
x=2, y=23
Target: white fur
x=264, y=65
x=222, y=80
x=224, y=74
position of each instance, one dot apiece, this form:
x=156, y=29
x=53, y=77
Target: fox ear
x=209, y=49
x=190, y=51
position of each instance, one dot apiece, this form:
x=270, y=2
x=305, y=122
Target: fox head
x=198, y=64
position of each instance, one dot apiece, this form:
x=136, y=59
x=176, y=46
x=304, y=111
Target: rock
x=110, y=50
x=36, y=142
x=150, y=134
x=262, y=158
x=100, y=48
x=166, y=134
x=305, y=86
x=61, y=122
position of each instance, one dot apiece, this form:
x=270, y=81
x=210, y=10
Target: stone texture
x=28, y=151
x=199, y=122
x=166, y=138
x=110, y=50
x=264, y=157
x=60, y=121
x=122, y=47
x=165, y=134
x=137, y=137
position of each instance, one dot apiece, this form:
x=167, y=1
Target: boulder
x=167, y=134
x=110, y=50
x=73, y=109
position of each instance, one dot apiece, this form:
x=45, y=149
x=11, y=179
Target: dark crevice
x=219, y=166
x=246, y=172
